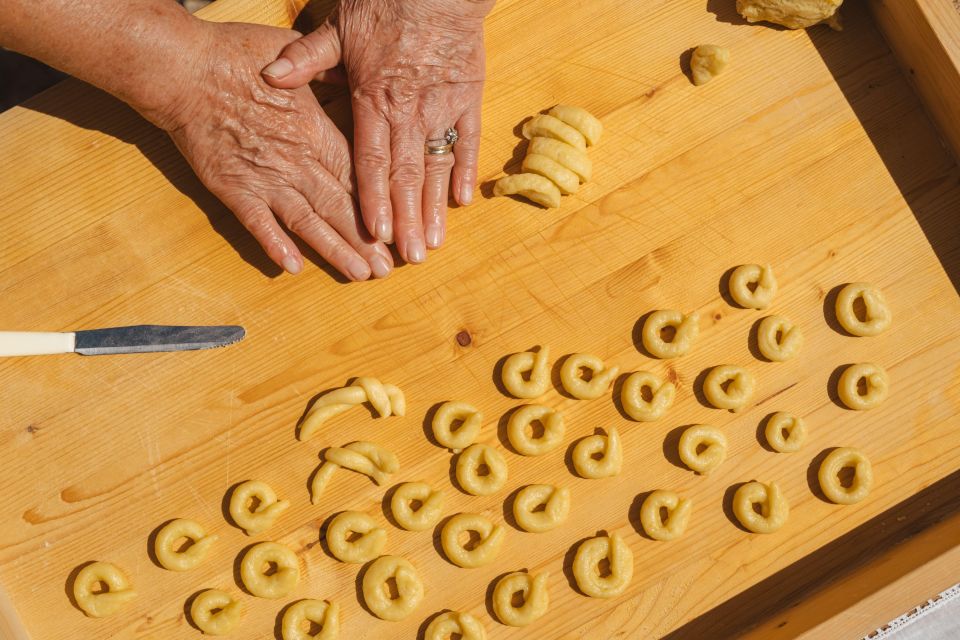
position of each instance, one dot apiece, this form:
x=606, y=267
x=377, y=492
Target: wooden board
x=811, y=152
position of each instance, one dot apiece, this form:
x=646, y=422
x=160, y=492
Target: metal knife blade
x=151, y=338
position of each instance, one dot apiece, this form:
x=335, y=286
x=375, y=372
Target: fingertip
x=292, y=264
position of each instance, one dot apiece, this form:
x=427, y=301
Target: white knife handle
x=32, y=343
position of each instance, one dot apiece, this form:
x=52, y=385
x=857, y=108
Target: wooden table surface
x=810, y=153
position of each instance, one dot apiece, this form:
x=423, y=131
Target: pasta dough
x=566, y=181
x=773, y=507
x=610, y=453
x=455, y=624
x=269, y=570
x=367, y=458
x=740, y=385
x=572, y=158
x=174, y=559
x=785, y=433
x=522, y=436
x=376, y=591
x=386, y=400
x=586, y=566
x=215, y=612
x=535, y=365
x=581, y=120
x=369, y=543
x=686, y=329
x=707, y=61
x=426, y=515
x=483, y=551
x=795, y=14
x=753, y=286
x=466, y=434
x=778, y=339
x=476, y=459
x=552, y=127
x=829, y=475
x=96, y=603
x=712, y=454
x=877, y=315
x=533, y=590
x=531, y=186
x=554, y=500
x=315, y=612
x=674, y=524
x=632, y=396
x=875, y=381
x=577, y=386
x=254, y=506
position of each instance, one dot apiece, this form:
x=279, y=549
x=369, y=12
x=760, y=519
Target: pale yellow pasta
x=386, y=400
x=739, y=382
x=531, y=186
x=167, y=550
x=678, y=515
x=254, y=506
x=521, y=435
x=355, y=537
x=785, y=432
x=632, y=396
x=455, y=624
x=753, y=286
x=533, y=591
x=829, y=475
x=600, y=376
x=702, y=448
x=778, y=338
x=482, y=551
x=318, y=613
x=90, y=596
x=481, y=470
x=215, y=612
x=599, y=456
x=686, y=328
x=707, y=61
x=586, y=566
x=536, y=366
x=551, y=127
x=581, y=120
x=875, y=381
x=774, y=509
x=567, y=181
x=470, y=419
x=363, y=457
x=376, y=590
x=269, y=570
x=574, y=159
x=426, y=515
x=877, y=315
x=554, y=500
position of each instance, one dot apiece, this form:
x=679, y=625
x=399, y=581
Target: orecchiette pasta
x=581, y=120
x=215, y=612
x=363, y=457
x=753, y=286
x=377, y=594
x=774, y=509
x=453, y=624
x=567, y=181
x=425, y=515
x=447, y=414
x=270, y=570
x=531, y=186
x=317, y=613
x=554, y=500
x=702, y=448
x=739, y=388
x=481, y=470
x=574, y=159
x=586, y=566
x=171, y=556
x=599, y=456
x=533, y=591
x=254, y=506
x=875, y=382
x=535, y=365
x=674, y=524
x=778, y=339
x=632, y=396
x=600, y=376
x=521, y=434
x=876, y=312
x=355, y=537
x=483, y=551
x=829, y=475
x=386, y=400
x=785, y=432
x=686, y=328
x=98, y=603
x=551, y=127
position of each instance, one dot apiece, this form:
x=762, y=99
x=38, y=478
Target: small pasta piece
x=451, y=624
x=369, y=541
x=536, y=365
x=554, y=500
x=386, y=400
x=483, y=551
x=740, y=386
x=632, y=396
x=270, y=570
x=426, y=515
x=586, y=566
x=713, y=453
x=778, y=339
x=609, y=449
x=551, y=127
x=216, y=612
x=567, y=181
x=377, y=593
x=785, y=433
x=466, y=434
x=533, y=591
x=774, y=509
x=367, y=458
x=522, y=436
x=256, y=519
x=98, y=603
x=317, y=613
x=531, y=186
x=685, y=328
x=581, y=120
x=171, y=556
x=829, y=475
x=674, y=524
x=877, y=315
x=707, y=61
x=600, y=376
x=470, y=467
x=572, y=158
x=876, y=386
x=753, y=286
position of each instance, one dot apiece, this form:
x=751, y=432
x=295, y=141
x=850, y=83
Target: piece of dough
x=686, y=329
x=367, y=458
x=678, y=515
x=452, y=624
x=586, y=566
x=874, y=378
x=483, y=551
x=634, y=404
x=256, y=519
x=166, y=549
x=215, y=612
x=554, y=500
x=714, y=445
x=386, y=399
x=533, y=590
x=270, y=570
x=369, y=543
x=740, y=385
x=472, y=461
x=779, y=339
x=877, y=318
x=794, y=14
x=581, y=120
x=466, y=434
x=578, y=387
x=785, y=433
x=376, y=592
x=424, y=516
x=572, y=158
x=520, y=433
x=87, y=589
x=773, y=507
x=567, y=181
x=609, y=449
x=763, y=280
x=535, y=365
x=315, y=612
x=707, y=61
x=531, y=186
x=549, y=126
x=837, y=460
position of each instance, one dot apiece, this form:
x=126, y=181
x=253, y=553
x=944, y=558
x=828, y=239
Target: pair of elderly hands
x=256, y=136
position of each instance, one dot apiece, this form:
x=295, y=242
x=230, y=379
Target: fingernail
x=416, y=253
x=292, y=265
x=466, y=193
x=434, y=235
x=384, y=232
x=379, y=266
x=359, y=270
x=278, y=68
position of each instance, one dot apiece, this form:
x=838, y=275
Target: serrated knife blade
x=136, y=339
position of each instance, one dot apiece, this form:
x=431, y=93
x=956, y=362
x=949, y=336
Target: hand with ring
x=416, y=73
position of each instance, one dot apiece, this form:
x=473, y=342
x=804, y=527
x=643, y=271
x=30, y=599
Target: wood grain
x=811, y=152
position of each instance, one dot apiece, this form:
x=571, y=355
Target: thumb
x=312, y=57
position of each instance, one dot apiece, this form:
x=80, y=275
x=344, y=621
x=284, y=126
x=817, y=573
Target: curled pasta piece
x=677, y=511
x=531, y=186
x=829, y=475
x=480, y=552
x=532, y=590
x=355, y=537
x=535, y=365
x=88, y=593
x=586, y=566
x=270, y=570
x=637, y=406
x=739, y=382
x=685, y=329
x=377, y=594
x=702, y=448
x=610, y=453
x=550, y=126
x=367, y=458
x=522, y=436
x=773, y=507
x=875, y=383
x=254, y=506
x=753, y=286
x=429, y=506
x=579, y=387
x=779, y=339
x=451, y=624
x=315, y=613
x=168, y=553
x=877, y=315
x=215, y=612
x=386, y=399
x=574, y=159
x=567, y=181
x=581, y=120
x=785, y=433
x=481, y=470
x=447, y=414
x=554, y=500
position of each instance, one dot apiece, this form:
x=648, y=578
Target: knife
x=138, y=339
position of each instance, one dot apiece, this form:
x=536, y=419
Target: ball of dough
x=476, y=553
x=521, y=434
x=707, y=61
x=426, y=515
x=355, y=537
x=876, y=386
x=452, y=624
x=470, y=419
x=96, y=603
x=877, y=316
x=269, y=570
x=315, y=612
x=609, y=449
x=714, y=450
x=474, y=461
x=677, y=511
x=554, y=500
x=637, y=406
x=586, y=566
x=774, y=509
x=685, y=329
x=377, y=594
x=739, y=388
x=785, y=433
x=535, y=365
x=533, y=592
x=829, y=475
x=753, y=286
x=778, y=339
x=215, y=612
x=168, y=552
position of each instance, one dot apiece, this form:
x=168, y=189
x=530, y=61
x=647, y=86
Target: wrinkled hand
x=415, y=69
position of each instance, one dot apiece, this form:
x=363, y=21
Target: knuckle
x=406, y=173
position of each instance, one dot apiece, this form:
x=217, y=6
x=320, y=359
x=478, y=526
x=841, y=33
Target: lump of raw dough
x=708, y=60
x=795, y=14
